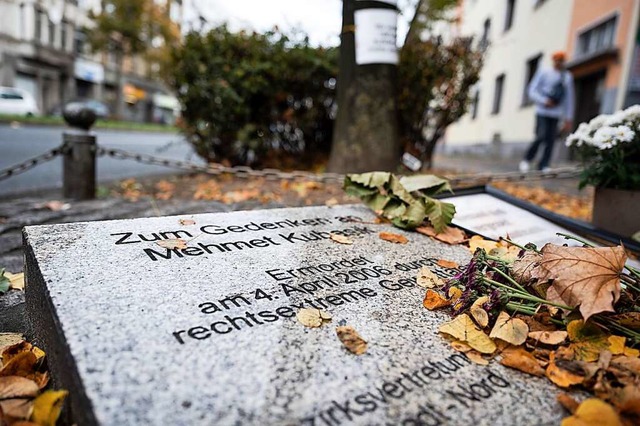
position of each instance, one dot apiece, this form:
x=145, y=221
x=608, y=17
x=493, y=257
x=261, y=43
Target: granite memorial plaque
x=206, y=334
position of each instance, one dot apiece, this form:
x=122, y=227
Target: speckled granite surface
x=205, y=335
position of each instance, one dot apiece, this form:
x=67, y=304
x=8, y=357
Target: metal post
x=79, y=163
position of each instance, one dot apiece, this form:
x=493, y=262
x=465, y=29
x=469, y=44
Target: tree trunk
x=366, y=129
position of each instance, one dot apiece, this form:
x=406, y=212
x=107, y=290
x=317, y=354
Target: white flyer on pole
x=376, y=36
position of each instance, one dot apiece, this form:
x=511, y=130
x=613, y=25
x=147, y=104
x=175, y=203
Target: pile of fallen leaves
x=569, y=314
x=577, y=207
x=23, y=379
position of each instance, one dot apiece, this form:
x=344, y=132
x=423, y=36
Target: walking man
x=551, y=89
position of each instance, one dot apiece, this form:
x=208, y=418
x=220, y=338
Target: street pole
x=79, y=161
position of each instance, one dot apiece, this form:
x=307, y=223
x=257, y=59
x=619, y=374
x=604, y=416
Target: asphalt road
x=22, y=143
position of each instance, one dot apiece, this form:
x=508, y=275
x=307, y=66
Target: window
x=63, y=35
x=79, y=42
x=484, y=41
x=11, y=95
x=497, y=95
x=37, y=35
x=598, y=38
x=511, y=5
x=52, y=32
x=532, y=67
x=474, y=104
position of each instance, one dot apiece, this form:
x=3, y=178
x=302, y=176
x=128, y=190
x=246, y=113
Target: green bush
x=245, y=95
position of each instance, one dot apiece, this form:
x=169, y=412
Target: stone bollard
x=79, y=164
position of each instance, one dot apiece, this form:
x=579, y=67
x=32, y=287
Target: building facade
x=44, y=50
x=600, y=38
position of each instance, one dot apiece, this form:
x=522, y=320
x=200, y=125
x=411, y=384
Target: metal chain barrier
x=31, y=163
x=275, y=174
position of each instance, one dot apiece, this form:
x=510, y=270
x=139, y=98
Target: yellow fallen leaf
x=449, y=264
x=433, y=300
x=16, y=396
x=393, y=238
x=478, y=242
x=340, y=238
x=427, y=279
x=187, y=222
x=351, y=340
x=478, y=313
x=464, y=329
x=310, y=317
x=549, y=337
x=593, y=412
x=585, y=276
x=631, y=352
x=454, y=293
x=616, y=345
x=512, y=330
x=47, y=407
x=460, y=346
x=587, y=340
x=507, y=254
x=521, y=359
x=331, y=202
x=173, y=243
x=16, y=281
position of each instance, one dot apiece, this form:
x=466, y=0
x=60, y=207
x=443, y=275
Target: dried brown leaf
x=427, y=279
x=310, y=317
x=559, y=373
x=568, y=402
x=393, y=238
x=340, y=238
x=16, y=396
x=477, y=358
x=9, y=339
x=585, y=276
x=447, y=264
x=450, y=235
x=525, y=269
x=549, y=337
x=478, y=313
x=173, y=243
x=512, y=330
x=351, y=340
x=187, y=222
x=434, y=300
x=521, y=359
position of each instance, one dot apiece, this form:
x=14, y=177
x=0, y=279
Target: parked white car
x=16, y=101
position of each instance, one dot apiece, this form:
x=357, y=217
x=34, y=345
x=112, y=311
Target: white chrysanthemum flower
x=597, y=122
x=607, y=137
x=615, y=119
x=624, y=134
x=632, y=113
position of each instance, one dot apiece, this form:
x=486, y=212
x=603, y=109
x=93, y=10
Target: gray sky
x=320, y=19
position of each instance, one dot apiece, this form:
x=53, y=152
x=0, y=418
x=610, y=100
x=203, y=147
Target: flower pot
x=617, y=210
